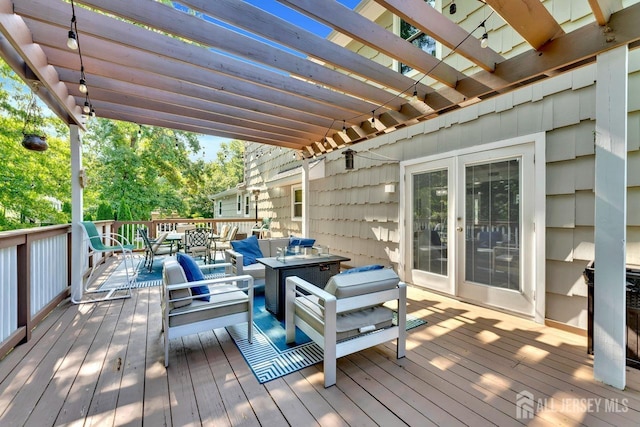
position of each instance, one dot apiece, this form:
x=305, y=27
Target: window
x=418, y=38
x=219, y=208
x=246, y=205
x=296, y=206
x=239, y=203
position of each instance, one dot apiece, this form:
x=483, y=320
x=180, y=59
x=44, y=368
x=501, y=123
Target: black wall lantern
x=348, y=158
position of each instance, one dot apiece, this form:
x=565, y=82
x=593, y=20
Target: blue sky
x=211, y=144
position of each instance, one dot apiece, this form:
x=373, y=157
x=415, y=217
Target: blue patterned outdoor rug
x=269, y=356
x=144, y=279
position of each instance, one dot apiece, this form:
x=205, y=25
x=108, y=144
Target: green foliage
x=33, y=185
x=105, y=212
x=141, y=168
x=124, y=213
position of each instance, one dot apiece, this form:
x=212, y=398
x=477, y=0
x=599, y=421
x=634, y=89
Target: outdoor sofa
x=242, y=256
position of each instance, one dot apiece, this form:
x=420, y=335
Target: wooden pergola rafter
x=150, y=63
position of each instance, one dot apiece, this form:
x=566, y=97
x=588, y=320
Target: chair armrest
x=227, y=266
x=211, y=282
x=236, y=259
x=110, y=241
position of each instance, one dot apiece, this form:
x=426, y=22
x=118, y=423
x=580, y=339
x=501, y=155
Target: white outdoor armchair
x=185, y=313
x=347, y=316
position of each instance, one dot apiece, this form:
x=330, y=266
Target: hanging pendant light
x=30, y=139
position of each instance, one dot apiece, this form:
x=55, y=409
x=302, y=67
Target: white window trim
x=247, y=204
x=239, y=207
x=295, y=188
x=219, y=208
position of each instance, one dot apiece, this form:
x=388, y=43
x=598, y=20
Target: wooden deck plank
x=79, y=398
x=406, y=412
x=207, y=394
x=21, y=400
x=313, y=401
x=258, y=397
x=129, y=408
x=15, y=357
x=293, y=410
x=66, y=371
x=527, y=357
x=540, y=383
x=465, y=366
x=105, y=399
x=337, y=398
x=235, y=402
x=458, y=402
x=184, y=409
x=157, y=408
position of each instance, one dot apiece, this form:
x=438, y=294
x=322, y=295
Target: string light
x=87, y=106
x=484, y=41
x=73, y=42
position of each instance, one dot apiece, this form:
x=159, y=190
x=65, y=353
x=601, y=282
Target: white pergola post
x=305, y=197
x=76, y=214
x=609, y=339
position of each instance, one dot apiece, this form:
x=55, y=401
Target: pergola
x=151, y=63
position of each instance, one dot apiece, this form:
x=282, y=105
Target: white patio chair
x=347, y=316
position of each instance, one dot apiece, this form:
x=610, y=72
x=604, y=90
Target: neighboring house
x=475, y=203
x=233, y=203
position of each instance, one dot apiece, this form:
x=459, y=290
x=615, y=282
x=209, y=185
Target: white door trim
x=539, y=214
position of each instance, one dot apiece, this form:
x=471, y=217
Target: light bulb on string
x=87, y=107
x=82, y=86
x=72, y=41
x=484, y=41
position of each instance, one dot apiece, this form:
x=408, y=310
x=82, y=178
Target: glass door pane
x=492, y=224
x=430, y=210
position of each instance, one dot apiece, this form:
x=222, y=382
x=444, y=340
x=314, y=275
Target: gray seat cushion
x=365, y=282
x=348, y=325
x=225, y=299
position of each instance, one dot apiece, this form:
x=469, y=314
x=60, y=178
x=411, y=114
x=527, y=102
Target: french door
x=469, y=218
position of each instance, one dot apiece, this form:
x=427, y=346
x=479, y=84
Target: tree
x=147, y=167
x=105, y=212
x=32, y=184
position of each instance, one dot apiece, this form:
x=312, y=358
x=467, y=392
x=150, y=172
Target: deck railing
x=35, y=268
x=34, y=278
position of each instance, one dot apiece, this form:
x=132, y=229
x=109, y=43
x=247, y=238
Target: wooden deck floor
x=102, y=365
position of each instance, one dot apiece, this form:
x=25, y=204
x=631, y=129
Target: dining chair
x=197, y=242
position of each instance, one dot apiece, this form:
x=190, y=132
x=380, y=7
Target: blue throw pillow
x=363, y=268
x=194, y=274
x=301, y=241
x=249, y=249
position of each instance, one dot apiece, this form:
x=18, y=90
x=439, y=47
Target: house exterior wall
x=351, y=213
